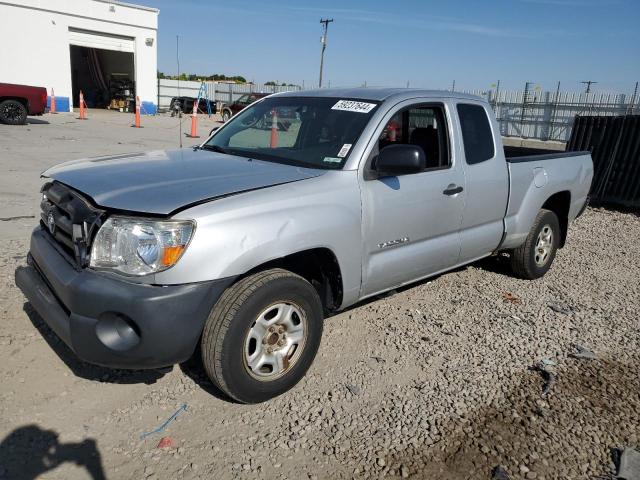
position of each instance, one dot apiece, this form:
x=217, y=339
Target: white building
x=107, y=49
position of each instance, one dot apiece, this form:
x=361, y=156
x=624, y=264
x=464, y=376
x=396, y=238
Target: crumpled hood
x=161, y=182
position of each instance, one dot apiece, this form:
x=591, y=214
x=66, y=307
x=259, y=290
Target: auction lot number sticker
x=353, y=106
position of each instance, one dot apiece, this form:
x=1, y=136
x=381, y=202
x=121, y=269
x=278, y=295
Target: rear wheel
x=534, y=257
x=262, y=335
x=12, y=112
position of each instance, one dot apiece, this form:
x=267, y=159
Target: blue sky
x=427, y=43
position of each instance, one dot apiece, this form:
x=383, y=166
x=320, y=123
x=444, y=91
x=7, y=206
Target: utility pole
x=632, y=105
x=325, y=26
x=588, y=83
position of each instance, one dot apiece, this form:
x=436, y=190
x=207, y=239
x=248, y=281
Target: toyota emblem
x=51, y=223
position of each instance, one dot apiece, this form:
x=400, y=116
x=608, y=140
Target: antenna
x=178, y=65
x=325, y=27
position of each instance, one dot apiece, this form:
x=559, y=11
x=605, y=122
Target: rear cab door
x=411, y=222
x=487, y=179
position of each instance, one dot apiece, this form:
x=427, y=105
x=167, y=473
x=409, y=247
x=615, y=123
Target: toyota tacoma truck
x=243, y=244
x=18, y=101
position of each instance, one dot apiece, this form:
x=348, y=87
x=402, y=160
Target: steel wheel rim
x=544, y=245
x=275, y=341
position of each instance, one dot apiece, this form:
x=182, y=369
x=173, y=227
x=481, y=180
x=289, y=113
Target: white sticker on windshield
x=344, y=150
x=332, y=160
x=353, y=106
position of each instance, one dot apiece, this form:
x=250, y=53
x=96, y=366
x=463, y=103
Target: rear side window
x=476, y=133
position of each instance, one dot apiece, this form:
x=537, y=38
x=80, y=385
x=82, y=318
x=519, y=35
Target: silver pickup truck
x=301, y=205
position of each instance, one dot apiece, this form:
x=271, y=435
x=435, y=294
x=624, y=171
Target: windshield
x=316, y=132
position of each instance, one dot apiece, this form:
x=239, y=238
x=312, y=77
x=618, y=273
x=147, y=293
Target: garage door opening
x=106, y=78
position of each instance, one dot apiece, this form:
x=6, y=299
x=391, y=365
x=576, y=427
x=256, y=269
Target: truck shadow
x=499, y=264
x=194, y=369
x=393, y=291
x=36, y=121
x=87, y=370
x=30, y=451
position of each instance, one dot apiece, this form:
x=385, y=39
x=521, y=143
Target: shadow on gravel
x=592, y=410
x=36, y=121
x=29, y=452
x=87, y=370
x=193, y=369
x=393, y=291
x=610, y=209
x=499, y=264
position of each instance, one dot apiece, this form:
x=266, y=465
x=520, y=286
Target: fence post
x=552, y=121
x=522, y=109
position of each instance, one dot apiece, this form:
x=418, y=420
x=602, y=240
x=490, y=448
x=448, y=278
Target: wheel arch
x=319, y=266
x=22, y=100
x=559, y=203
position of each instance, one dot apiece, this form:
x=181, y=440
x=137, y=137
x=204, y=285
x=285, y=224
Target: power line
x=325, y=27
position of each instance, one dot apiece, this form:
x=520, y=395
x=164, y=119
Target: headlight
x=138, y=247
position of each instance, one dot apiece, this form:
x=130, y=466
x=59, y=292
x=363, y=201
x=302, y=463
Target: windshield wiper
x=214, y=148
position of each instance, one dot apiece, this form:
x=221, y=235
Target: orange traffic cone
x=83, y=115
x=274, y=129
x=194, y=120
x=137, y=124
x=52, y=107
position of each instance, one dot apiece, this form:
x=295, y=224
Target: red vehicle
x=229, y=110
x=18, y=101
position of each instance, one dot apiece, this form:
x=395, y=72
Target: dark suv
x=181, y=105
x=229, y=110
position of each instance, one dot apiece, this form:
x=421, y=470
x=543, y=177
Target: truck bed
x=528, y=154
x=535, y=175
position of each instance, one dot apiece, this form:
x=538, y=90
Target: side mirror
x=395, y=160
x=213, y=130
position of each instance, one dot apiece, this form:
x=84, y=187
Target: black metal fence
x=614, y=143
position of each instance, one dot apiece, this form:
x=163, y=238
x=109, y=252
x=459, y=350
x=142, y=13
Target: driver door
x=411, y=223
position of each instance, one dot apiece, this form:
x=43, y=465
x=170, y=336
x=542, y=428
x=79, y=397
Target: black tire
x=226, y=115
x=527, y=261
x=12, y=112
x=236, y=314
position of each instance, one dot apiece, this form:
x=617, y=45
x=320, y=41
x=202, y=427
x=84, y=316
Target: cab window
x=476, y=133
x=423, y=126
x=243, y=100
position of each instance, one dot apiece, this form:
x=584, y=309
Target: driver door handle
x=452, y=189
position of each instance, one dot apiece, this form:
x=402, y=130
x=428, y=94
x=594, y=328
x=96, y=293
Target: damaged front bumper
x=110, y=321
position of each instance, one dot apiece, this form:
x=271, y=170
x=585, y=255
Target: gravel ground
x=431, y=381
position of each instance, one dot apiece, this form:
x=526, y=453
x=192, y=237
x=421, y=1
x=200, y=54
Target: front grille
x=70, y=219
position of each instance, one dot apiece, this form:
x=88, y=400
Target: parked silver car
x=301, y=205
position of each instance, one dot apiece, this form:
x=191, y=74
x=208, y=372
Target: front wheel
x=12, y=112
x=534, y=257
x=262, y=335
x=226, y=115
